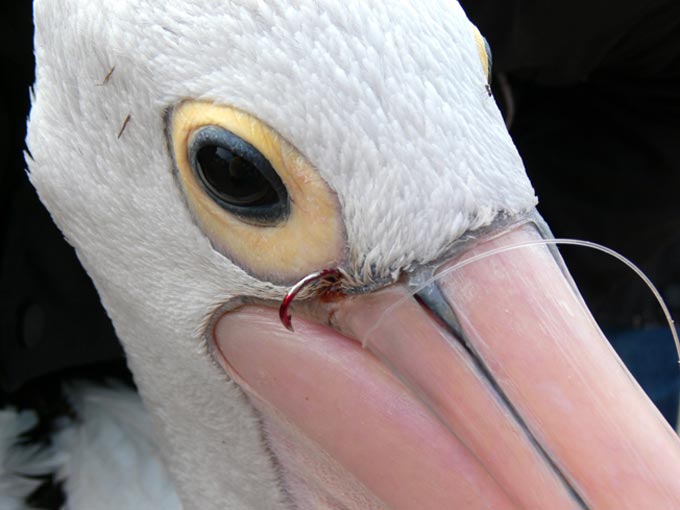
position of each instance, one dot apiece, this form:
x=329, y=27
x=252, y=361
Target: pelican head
x=203, y=157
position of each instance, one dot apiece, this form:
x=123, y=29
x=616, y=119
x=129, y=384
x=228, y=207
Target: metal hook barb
x=288, y=299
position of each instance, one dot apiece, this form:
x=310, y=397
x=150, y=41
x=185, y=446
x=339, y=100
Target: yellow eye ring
x=484, y=52
x=310, y=236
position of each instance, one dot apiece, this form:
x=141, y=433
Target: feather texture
x=17, y=462
x=107, y=457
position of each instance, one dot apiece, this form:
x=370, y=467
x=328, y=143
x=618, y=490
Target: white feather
x=19, y=462
x=108, y=458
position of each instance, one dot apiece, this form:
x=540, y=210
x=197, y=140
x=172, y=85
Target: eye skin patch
x=308, y=237
x=484, y=52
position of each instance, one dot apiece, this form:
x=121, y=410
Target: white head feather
x=387, y=100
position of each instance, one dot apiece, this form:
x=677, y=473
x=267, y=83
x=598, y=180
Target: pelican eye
x=237, y=176
x=258, y=199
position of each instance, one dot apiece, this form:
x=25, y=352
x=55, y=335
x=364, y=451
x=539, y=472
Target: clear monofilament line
x=542, y=242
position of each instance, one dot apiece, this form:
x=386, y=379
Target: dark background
x=593, y=89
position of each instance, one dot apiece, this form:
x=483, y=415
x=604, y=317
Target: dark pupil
x=234, y=179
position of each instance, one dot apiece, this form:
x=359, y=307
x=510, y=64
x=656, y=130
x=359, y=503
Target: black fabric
x=565, y=42
x=596, y=86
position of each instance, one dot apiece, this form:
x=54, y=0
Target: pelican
x=206, y=157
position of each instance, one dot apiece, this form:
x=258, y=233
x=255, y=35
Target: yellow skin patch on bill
x=310, y=238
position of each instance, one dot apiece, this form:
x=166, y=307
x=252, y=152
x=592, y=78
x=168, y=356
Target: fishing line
x=543, y=242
